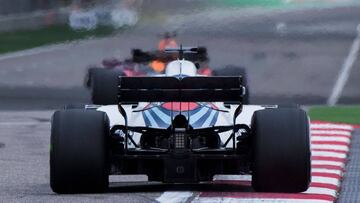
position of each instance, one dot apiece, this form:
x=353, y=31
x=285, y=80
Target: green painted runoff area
x=341, y=114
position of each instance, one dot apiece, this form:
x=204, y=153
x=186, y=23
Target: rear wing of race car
x=187, y=89
x=194, y=54
x=177, y=89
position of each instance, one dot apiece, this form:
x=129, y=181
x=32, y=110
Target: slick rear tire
x=231, y=70
x=104, y=86
x=78, y=151
x=281, y=150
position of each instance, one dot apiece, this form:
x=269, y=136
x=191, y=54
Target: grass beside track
x=341, y=114
x=26, y=39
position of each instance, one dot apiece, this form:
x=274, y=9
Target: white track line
x=233, y=177
x=174, y=197
x=33, y=51
x=345, y=70
x=323, y=191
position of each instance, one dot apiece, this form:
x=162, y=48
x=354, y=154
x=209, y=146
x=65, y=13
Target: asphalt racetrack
x=292, y=56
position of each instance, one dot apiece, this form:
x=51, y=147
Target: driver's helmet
x=180, y=68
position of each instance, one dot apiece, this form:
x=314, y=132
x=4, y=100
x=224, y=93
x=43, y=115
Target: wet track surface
x=296, y=63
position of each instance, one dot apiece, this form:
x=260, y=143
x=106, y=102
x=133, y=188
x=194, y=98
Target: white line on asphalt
x=174, y=197
x=33, y=51
x=345, y=70
x=323, y=191
x=233, y=177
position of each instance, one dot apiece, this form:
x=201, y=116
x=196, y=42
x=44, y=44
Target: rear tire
x=231, y=70
x=281, y=150
x=104, y=85
x=78, y=151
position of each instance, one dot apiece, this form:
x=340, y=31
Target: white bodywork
x=136, y=118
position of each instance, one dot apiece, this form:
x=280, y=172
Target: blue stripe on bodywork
x=163, y=116
x=199, y=123
x=148, y=116
x=209, y=119
x=158, y=120
x=196, y=116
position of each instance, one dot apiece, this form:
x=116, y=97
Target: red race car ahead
x=149, y=63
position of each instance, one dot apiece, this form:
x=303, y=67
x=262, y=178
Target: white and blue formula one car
x=179, y=128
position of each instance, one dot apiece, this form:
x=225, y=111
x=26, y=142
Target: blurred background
x=294, y=51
